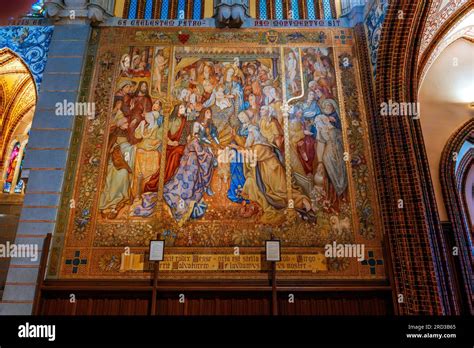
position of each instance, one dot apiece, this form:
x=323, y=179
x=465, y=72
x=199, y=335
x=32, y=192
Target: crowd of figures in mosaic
x=225, y=152
x=198, y=142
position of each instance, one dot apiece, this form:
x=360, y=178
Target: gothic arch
x=18, y=99
x=441, y=18
x=435, y=45
x=452, y=182
x=453, y=29
x=403, y=172
x=403, y=169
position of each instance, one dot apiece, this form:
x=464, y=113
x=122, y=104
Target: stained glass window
x=327, y=9
x=149, y=9
x=197, y=9
x=181, y=9
x=279, y=9
x=37, y=9
x=164, y=9
x=132, y=10
x=20, y=183
x=295, y=10
x=11, y=169
x=310, y=8
x=263, y=9
x=6, y=187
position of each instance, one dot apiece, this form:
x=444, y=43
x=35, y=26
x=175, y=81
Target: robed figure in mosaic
x=184, y=192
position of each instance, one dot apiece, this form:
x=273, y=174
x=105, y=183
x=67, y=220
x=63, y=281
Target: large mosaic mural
x=216, y=142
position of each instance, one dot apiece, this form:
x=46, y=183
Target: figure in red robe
x=177, y=139
x=140, y=104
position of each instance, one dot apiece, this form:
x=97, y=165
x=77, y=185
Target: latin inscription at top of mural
x=209, y=22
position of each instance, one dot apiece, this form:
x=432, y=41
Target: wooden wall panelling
x=133, y=298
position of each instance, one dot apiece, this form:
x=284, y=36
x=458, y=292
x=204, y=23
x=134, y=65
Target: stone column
x=49, y=144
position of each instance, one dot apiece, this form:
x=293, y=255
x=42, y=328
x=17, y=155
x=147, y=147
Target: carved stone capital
x=53, y=7
x=231, y=13
x=77, y=10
